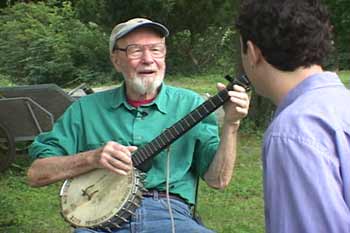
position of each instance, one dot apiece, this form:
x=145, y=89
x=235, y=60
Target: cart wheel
x=7, y=148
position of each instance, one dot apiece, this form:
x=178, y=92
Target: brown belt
x=162, y=194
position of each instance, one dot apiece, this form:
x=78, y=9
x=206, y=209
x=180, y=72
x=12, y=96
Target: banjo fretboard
x=169, y=135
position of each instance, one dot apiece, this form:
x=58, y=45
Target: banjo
x=101, y=199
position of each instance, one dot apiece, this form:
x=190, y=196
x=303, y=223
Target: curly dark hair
x=289, y=33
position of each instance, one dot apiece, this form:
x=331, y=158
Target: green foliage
x=197, y=16
x=54, y=41
x=201, y=31
x=41, y=43
x=179, y=15
x=210, y=52
x=110, y=12
x=340, y=17
x=5, y=80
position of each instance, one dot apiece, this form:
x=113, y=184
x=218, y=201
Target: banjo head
x=97, y=197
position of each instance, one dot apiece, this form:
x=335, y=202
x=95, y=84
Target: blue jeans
x=153, y=217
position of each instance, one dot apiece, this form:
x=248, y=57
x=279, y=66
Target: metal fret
x=136, y=157
x=212, y=103
x=161, y=139
x=146, y=149
x=157, y=141
x=188, y=124
x=192, y=118
x=216, y=101
x=182, y=127
x=205, y=108
x=198, y=110
x=221, y=99
x=143, y=155
x=153, y=146
x=166, y=137
x=177, y=132
x=171, y=133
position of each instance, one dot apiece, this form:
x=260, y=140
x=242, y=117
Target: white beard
x=142, y=86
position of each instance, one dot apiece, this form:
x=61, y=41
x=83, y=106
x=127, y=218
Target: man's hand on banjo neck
x=112, y=156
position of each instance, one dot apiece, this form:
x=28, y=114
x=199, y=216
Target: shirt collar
x=315, y=81
x=120, y=99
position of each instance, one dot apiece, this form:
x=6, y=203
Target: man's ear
x=115, y=61
x=254, y=53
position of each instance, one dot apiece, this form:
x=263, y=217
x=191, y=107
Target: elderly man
x=307, y=145
x=104, y=130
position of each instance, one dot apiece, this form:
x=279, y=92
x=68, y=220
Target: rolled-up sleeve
x=62, y=139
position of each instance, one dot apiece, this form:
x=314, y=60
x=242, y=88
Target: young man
x=306, y=148
x=104, y=129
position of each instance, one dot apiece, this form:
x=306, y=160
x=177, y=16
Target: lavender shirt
x=306, y=159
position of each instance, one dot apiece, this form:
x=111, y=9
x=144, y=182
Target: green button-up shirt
x=96, y=119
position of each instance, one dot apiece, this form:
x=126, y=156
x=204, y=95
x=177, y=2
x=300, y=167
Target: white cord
x=167, y=191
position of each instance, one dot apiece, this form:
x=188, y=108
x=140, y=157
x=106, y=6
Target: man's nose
x=147, y=56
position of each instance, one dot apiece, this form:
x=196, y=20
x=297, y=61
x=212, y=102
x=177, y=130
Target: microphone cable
x=167, y=191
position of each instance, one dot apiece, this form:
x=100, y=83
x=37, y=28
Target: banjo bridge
x=86, y=192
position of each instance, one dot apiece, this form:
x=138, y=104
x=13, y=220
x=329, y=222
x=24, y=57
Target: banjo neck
x=141, y=158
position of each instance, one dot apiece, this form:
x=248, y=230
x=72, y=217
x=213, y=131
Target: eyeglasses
x=136, y=51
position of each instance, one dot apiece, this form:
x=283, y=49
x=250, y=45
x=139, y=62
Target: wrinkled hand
x=115, y=157
x=237, y=106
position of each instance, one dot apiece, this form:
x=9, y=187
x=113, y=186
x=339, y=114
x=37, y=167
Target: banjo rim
x=118, y=214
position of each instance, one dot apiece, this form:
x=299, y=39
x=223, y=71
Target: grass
x=239, y=208
x=200, y=84
x=345, y=77
x=25, y=209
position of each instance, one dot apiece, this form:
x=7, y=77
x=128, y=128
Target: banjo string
x=167, y=190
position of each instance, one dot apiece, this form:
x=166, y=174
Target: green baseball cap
x=124, y=28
